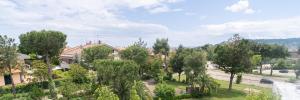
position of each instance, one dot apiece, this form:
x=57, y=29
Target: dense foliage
x=78, y=73
x=233, y=57
x=177, y=61
x=164, y=92
x=104, y=93
x=118, y=74
x=8, y=57
x=162, y=47
x=138, y=54
x=96, y=52
x=45, y=43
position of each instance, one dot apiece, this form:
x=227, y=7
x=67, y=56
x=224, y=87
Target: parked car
x=266, y=81
x=283, y=71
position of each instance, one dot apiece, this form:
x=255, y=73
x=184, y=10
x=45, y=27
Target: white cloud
x=79, y=17
x=241, y=6
x=162, y=9
x=276, y=28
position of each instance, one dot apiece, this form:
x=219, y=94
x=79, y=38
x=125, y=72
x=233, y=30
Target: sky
x=121, y=22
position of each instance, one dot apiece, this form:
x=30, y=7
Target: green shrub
x=104, y=93
x=36, y=93
x=60, y=74
x=67, y=89
x=7, y=97
x=78, y=73
x=238, y=79
x=25, y=88
x=164, y=92
x=183, y=96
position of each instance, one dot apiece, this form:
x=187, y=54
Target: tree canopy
x=8, y=57
x=46, y=43
x=119, y=74
x=177, y=61
x=233, y=56
x=194, y=65
x=96, y=52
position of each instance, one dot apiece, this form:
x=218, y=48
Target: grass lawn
x=238, y=92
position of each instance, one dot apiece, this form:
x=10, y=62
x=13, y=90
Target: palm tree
x=8, y=57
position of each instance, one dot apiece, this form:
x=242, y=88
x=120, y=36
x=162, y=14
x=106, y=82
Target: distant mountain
x=291, y=43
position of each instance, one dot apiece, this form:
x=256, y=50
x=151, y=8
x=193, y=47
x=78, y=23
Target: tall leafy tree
x=195, y=65
x=162, y=47
x=8, y=57
x=277, y=52
x=138, y=54
x=46, y=43
x=96, y=52
x=256, y=60
x=177, y=61
x=297, y=69
x=40, y=71
x=119, y=74
x=233, y=57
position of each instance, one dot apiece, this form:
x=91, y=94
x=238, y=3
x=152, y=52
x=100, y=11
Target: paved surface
x=287, y=91
x=247, y=78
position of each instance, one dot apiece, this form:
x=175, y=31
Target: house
x=17, y=74
x=71, y=54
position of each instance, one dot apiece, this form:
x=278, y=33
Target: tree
x=133, y=94
x=297, y=69
x=138, y=54
x=277, y=52
x=256, y=60
x=67, y=89
x=233, y=57
x=195, y=65
x=78, y=73
x=8, y=57
x=209, y=50
x=119, y=74
x=40, y=71
x=162, y=47
x=155, y=67
x=177, y=61
x=104, y=93
x=96, y=52
x=47, y=44
x=164, y=92
x=207, y=85
x=142, y=91
x=140, y=43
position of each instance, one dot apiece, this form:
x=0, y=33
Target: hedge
x=25, y=88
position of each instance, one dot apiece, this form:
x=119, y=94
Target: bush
x=78, y=73
x=183, y=96
x=36, y=93
x=104, y=93
x=164, y=92
x=238, y=79
x=7, y=97
x=67, y=89
x=25, y=88
x=60, y=74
